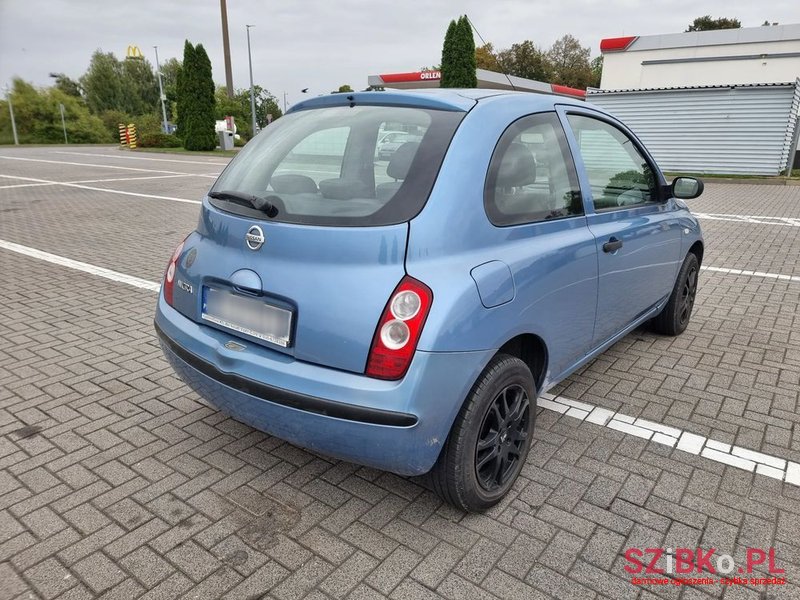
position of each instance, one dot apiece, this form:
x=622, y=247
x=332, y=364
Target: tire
x=674, y=319
x=499, y=414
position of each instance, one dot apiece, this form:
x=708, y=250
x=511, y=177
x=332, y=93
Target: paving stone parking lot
x=116, y=481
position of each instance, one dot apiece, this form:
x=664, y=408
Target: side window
x=531, y=175
x=618, y=173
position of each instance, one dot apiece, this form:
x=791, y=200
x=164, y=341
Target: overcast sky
x=322, y=44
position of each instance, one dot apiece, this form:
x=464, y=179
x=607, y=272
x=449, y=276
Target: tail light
x=399, y=329
x=169, y=275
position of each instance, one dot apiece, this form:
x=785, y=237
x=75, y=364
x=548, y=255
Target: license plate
x=250, y=316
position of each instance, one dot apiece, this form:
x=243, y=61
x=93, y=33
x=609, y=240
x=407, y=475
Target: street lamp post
x=161, y=93
x=252, y=89
x=11, y=112
x=63, y=122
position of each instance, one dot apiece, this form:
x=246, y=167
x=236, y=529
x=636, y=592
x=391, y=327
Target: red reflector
x=617, y=44
x=387, y=363
x=568, y=91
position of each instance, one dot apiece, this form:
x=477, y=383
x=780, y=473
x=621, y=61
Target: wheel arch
x=697, y=250
x=532, y=350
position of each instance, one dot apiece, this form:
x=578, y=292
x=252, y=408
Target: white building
x=768, y=54
x=723, y=101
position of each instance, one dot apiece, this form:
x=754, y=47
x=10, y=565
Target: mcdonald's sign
x=134, y=53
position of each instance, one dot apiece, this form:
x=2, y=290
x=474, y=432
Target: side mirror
x=686, y=188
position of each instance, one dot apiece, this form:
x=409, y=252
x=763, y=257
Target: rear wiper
x=261, y=204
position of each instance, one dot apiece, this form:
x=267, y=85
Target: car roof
x=452, y=99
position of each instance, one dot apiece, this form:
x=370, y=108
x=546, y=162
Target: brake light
x=169, y=275
x=399, y=329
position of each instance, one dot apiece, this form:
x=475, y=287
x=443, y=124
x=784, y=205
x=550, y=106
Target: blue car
x=406, y=315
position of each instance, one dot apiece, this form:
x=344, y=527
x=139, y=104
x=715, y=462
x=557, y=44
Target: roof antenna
x=475, y=29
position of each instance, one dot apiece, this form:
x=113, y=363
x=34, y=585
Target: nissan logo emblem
x=254, y=238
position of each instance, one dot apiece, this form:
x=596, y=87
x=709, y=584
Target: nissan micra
x=406, y=314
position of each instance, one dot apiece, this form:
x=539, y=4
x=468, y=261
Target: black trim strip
x=283, y=397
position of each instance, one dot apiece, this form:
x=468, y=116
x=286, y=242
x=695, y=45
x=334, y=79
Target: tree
x=180, y=88
x=707, y=23
x=39, y=120
x=170, y=71
x=197, y=100
x=569, y=62
x=239, y=108
x=458, y=55
x=344, y=88
x=525, y=60
x=67, y=85
x=485, y=58
x=139, y=86
x=102, y=83
x=597, y=71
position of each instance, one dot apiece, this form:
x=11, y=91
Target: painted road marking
x=780, y=276
x=81, y=266
x=109, y=190
x=760, y=220
x=21, y=185
x=59, y=162
x=174, y=160
x=684, y=441
x=137, y=178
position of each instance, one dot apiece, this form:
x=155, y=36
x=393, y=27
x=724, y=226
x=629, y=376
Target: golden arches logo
x=134, y=52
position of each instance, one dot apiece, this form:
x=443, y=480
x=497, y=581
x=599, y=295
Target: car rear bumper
x=398, y=426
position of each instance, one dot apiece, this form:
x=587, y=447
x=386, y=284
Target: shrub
x=159, y=140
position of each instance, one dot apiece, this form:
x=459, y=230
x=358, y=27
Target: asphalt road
x=116, y=481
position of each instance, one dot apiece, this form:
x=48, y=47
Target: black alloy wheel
x=502, y=437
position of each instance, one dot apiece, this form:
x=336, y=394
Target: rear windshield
x=348, y=166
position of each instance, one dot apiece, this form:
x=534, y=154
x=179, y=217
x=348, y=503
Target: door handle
x=612, y=245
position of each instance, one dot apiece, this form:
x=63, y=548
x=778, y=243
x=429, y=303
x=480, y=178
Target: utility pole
x=11, y=112
x=284, y=102
x=63, y=122
x=252, y=89
x=226, y=48
x=161, y=93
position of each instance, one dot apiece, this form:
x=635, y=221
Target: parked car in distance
x=391, y=141
x=406, y=315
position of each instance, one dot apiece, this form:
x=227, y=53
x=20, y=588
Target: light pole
x=284, y=102
x=252, y=89
x=63, y=122
x=226, y=48
x=161, y=93
x=11, y=112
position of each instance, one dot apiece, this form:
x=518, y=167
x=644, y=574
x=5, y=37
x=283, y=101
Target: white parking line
x=108, y=190
x=59, y=162
x=759, y=220
x=136, y=178
x=21, y=185
x=780, y=276
x=734, y=456
x=122, y=157
x=81, y=266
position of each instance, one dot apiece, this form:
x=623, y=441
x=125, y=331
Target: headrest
x=401, y=160
x=517, y=168
x=293, y=184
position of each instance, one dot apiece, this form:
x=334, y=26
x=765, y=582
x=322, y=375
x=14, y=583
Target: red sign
x=411, y=77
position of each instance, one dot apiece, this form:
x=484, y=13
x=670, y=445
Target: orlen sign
x=411, y=77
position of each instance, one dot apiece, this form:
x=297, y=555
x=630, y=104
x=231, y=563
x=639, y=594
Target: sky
x=322, y=44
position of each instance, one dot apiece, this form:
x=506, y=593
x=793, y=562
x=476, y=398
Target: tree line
x=114, y=91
